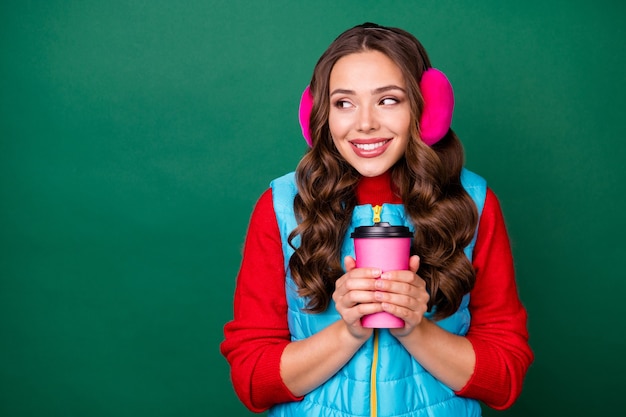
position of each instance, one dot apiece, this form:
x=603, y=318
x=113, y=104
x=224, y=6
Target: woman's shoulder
x=476, y=187
x=284, y=189
x=289, y=179
x=470, y=178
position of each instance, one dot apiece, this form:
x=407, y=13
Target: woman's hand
x=355, y=297
x=403, y=294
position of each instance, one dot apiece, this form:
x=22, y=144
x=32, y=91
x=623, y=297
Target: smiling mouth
x=370, y=146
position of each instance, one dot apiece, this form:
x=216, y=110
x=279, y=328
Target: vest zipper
x=373, y=392
x=377, y=211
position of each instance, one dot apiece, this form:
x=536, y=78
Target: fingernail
x=376, y=272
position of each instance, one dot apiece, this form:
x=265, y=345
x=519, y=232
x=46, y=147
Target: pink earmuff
x=436, y=117
x=304, y=114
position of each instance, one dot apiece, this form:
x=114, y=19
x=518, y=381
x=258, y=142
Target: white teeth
x=369, y=146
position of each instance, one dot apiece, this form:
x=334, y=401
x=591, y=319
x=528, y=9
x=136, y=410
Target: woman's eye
x=343, y=104
x=389, y=101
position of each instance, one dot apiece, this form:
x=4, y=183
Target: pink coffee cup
x=388, y=248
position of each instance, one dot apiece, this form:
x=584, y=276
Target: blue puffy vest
x=382, y=379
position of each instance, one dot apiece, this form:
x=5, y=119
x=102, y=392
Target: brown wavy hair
x=427, y=179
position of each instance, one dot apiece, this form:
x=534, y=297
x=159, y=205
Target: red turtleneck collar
x=376, y=190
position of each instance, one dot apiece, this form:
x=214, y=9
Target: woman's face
x=369, y=114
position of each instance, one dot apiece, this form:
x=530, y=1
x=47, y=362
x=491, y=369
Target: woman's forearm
x=308, y=363
x=448, y=357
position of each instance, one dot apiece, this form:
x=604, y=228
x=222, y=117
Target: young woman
x=376, y=115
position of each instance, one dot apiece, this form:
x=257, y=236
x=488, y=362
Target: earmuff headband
x=436, y=117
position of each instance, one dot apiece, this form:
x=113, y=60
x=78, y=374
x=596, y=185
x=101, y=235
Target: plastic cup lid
x=381, y=230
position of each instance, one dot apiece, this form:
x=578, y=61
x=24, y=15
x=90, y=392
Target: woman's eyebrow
x=388, y=88
x=342, y=91
x=378, y=90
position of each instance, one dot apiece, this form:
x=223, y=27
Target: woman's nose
x=367, y=121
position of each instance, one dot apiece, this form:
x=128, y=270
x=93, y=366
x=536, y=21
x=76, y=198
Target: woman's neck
x=376, y=190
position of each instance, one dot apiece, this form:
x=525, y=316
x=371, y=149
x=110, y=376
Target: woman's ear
x=438, y=106
x=304, y=114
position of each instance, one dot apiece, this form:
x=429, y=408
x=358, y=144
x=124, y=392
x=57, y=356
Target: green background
x=135, y=137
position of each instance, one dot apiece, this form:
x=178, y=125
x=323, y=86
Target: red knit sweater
x=255, y=338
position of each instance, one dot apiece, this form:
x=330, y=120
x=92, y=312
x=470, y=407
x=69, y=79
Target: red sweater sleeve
x=498, y=329
x=258, y=334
